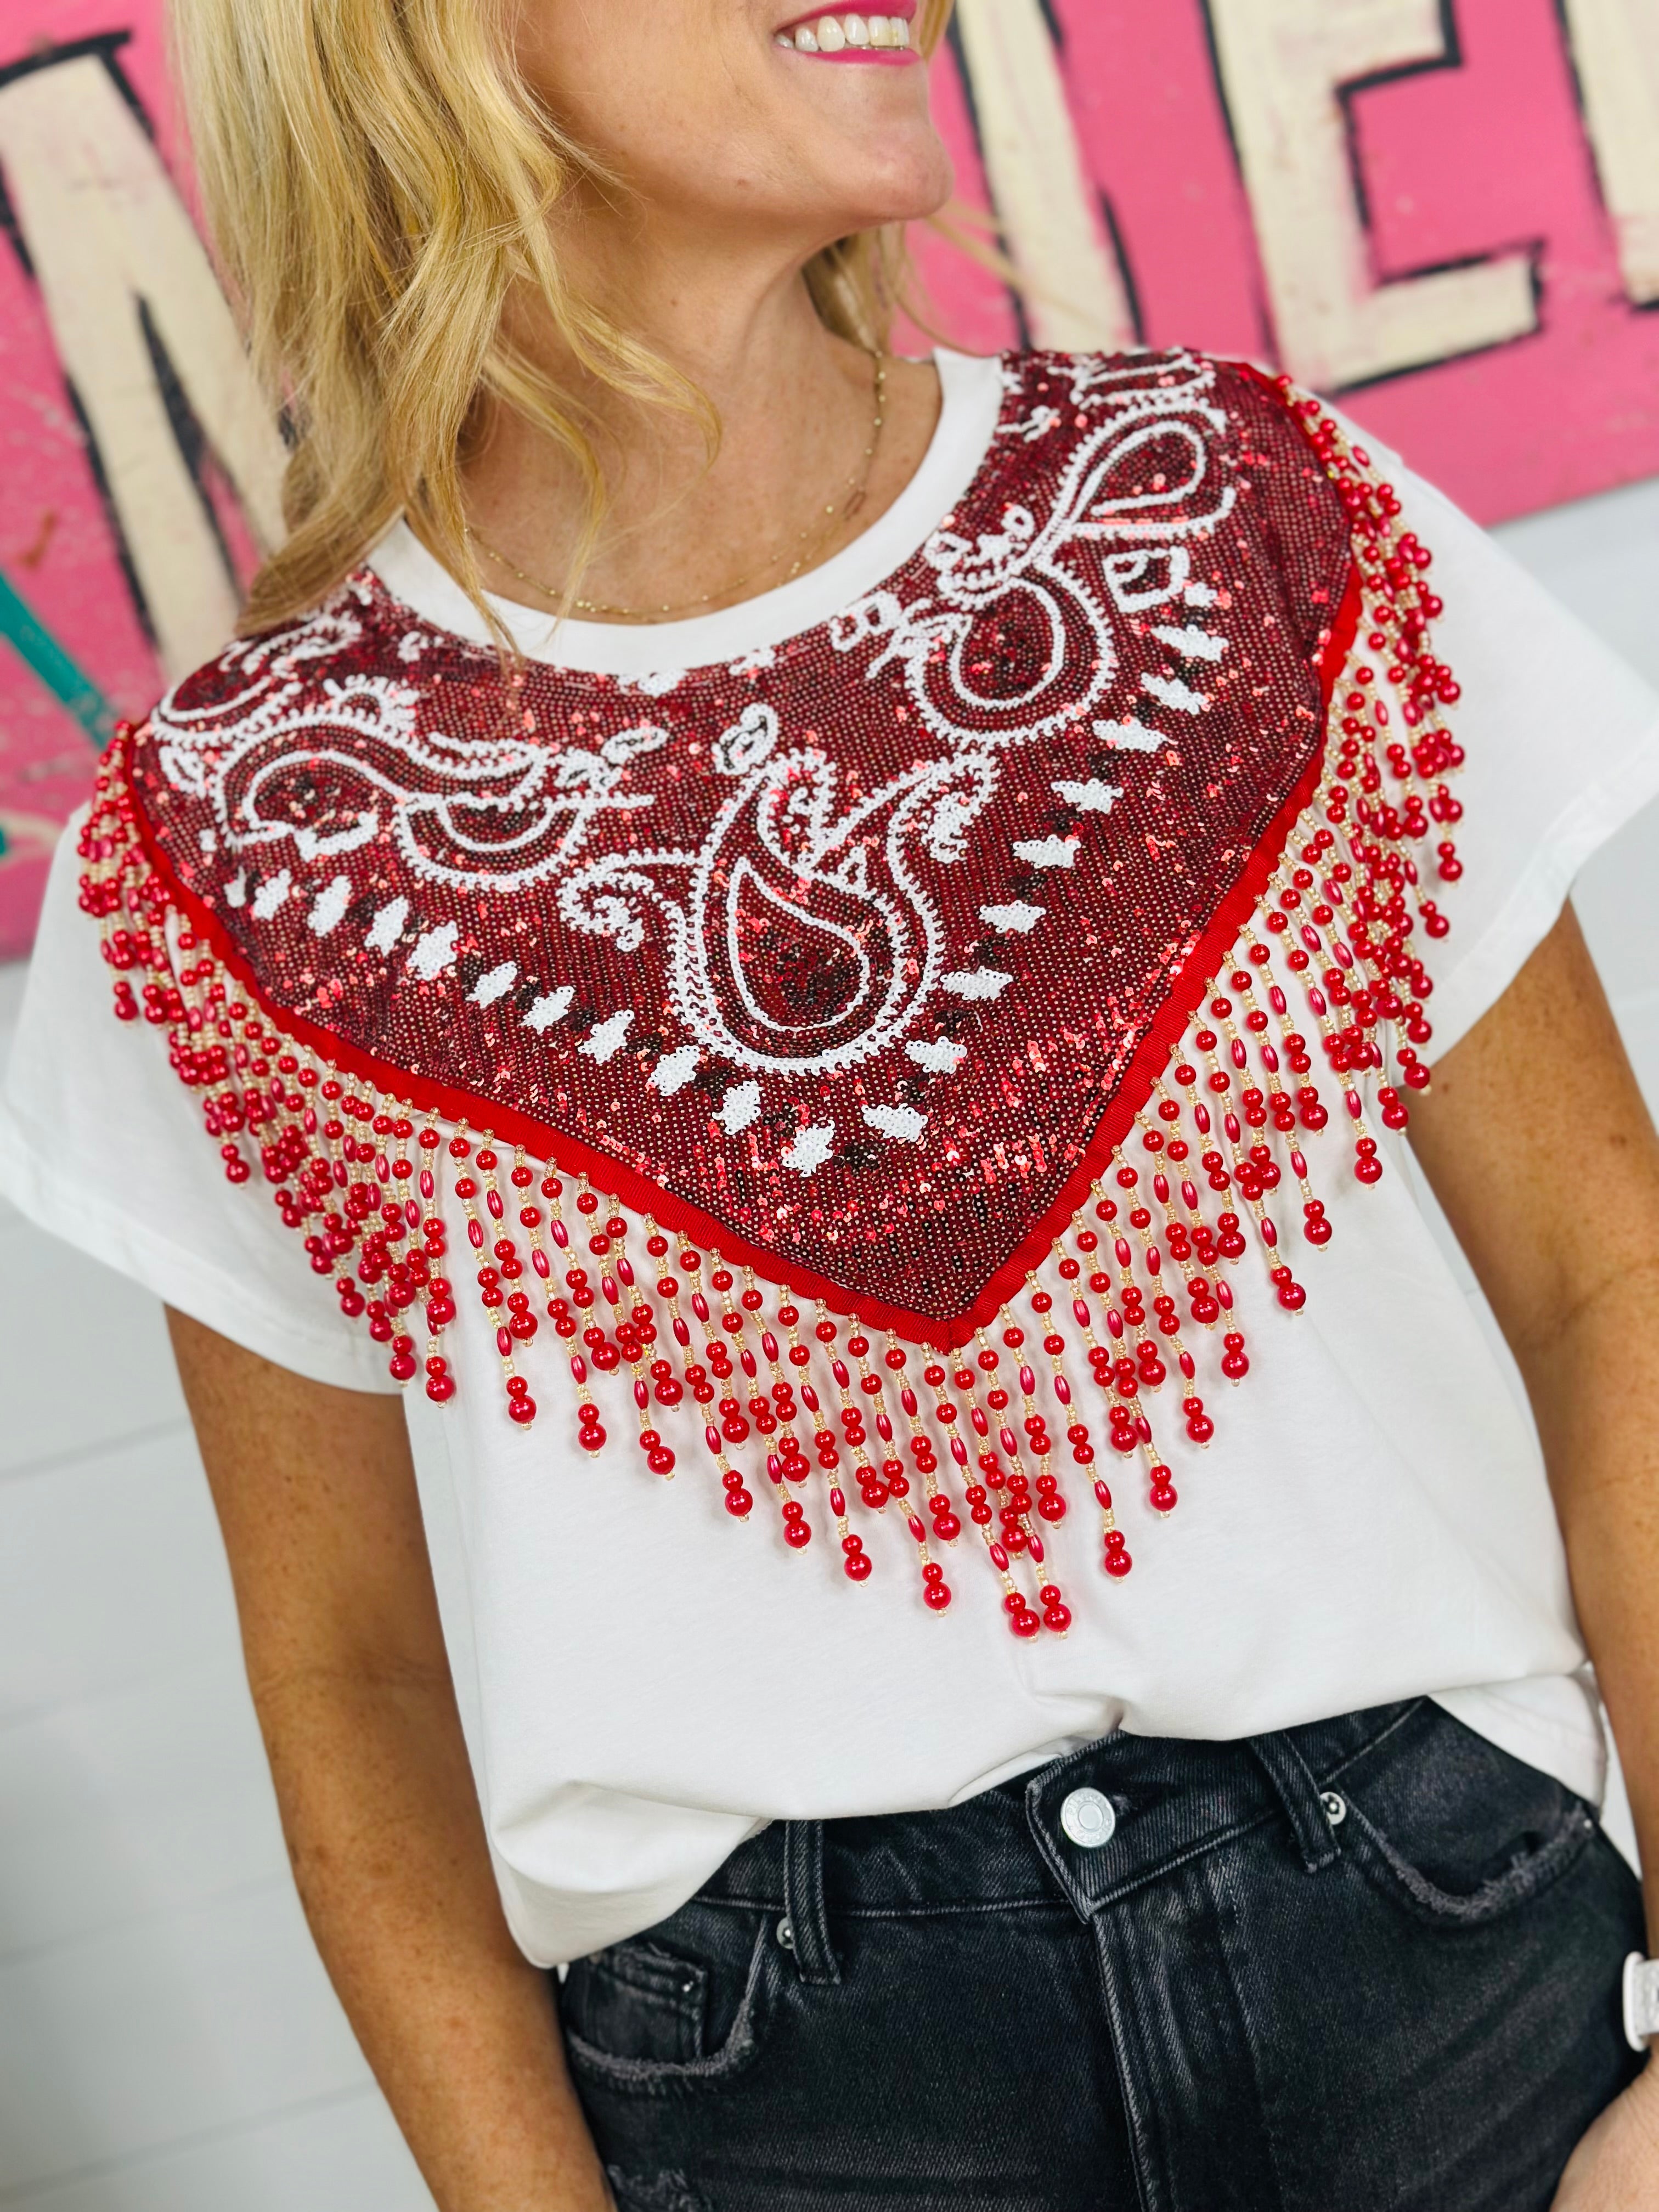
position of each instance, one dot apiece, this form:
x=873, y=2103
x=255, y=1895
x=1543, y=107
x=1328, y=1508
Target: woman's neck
x=793, y=481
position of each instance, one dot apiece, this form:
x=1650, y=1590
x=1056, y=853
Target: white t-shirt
x=640, y=1692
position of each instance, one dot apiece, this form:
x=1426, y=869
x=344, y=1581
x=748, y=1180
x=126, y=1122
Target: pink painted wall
x=57, y=545
x=1459, y=162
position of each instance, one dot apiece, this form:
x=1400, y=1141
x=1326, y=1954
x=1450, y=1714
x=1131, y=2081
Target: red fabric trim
x=684, y=1220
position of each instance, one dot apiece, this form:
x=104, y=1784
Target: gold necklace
x=808, y=544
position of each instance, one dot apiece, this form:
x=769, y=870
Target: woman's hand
x=1616, y=2168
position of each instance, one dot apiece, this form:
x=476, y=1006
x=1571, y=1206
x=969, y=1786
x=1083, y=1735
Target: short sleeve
x=1561, y=745
x=102, y=1145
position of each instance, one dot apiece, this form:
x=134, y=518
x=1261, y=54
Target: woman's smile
x=852, y=37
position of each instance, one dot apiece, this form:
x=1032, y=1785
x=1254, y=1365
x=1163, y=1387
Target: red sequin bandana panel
x=999, y=924
x=854, y=958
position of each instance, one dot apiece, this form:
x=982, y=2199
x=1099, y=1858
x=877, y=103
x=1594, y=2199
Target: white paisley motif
x=1155, y=399
x=801, y=935
x=330, y=768
x=781, y=854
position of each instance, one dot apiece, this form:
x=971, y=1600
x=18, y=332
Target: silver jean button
x=1089, y=1819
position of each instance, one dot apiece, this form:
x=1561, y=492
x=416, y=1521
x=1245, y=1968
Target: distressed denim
x=1370, y=1962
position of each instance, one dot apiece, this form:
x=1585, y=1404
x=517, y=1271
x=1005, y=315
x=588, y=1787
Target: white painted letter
x=105, y=229
x=1615, y=43
x=1044, y=203
x=1282, y=63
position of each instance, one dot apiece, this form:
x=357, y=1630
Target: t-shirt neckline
x=971, y=388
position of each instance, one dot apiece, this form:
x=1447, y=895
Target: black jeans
x=1371, y=1963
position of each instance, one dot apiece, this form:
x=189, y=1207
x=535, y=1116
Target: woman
x=873, y=964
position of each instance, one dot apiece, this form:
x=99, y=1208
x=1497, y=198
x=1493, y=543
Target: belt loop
x=803, y=1901
x=1299, y=1794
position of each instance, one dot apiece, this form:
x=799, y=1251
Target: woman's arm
x=1541, y=1149
x=316, y=1496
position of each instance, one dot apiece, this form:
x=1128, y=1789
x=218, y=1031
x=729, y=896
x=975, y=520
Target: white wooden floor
x=169, y=2042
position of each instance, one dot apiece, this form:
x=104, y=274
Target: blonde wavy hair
x=378, y=180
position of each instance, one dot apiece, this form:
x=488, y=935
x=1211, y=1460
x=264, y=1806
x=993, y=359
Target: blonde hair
x=377, y=178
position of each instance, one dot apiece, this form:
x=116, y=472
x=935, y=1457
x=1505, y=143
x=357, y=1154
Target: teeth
x=831, y=34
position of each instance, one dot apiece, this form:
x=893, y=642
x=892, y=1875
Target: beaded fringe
x=357, y=1172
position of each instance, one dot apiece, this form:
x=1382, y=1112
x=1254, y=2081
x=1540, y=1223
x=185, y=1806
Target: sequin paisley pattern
x=1014, y=905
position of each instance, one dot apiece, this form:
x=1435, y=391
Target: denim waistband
x=1172, y=1798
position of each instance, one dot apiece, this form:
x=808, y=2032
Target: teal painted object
x=39, y=651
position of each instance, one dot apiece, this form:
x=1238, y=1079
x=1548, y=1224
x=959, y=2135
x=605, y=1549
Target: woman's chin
x=866, y=186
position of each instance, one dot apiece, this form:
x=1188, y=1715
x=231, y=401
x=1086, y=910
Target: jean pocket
x=1458, y=1831
x=1454, y=1828
x=644, y=2016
